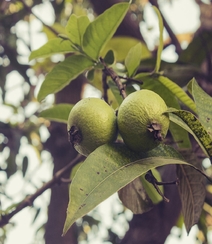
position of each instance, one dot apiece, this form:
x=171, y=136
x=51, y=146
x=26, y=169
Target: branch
x=28, y=201
x=115, y=78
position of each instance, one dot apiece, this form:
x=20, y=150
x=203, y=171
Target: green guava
x=91, y=123
x=141, y=120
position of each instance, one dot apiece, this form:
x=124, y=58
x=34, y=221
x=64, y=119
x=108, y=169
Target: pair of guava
x=141, y=122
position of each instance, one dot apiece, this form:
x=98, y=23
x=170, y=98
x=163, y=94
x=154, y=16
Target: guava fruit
x=91, y=123
x=141, y=120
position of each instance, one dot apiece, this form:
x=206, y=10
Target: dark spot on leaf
x=81, y=189
x=105, y=170
x=86, y=194
x=97, y=173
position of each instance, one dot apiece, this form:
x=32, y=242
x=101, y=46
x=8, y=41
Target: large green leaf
x=53, y=46
x=107, y=170
x=76, y=27
x=121, y=46
x=132, y=59
x=100, y=31
x=63, y=73
x=58, y=112
x=204, y=105
x=160, y=46
x=190, y=123
x=178, y=92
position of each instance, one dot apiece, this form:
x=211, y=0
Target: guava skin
x=91, y=123
x=141, y=121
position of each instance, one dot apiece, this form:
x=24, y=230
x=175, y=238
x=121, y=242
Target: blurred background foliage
x=27, y=155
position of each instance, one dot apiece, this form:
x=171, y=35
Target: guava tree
x=151, y=183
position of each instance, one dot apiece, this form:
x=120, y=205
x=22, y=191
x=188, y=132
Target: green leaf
x=135, y=198
x=190, y=123
x=192, y=189
x=178, y=92
x=53, y=46
x=109, y=57
x=160, y=47
x=63, y=73
x=76, y=27
x=107, y=170
x=100, y=31
x=122, y=45
x=132, y=59
x=59, y=112
x=204, y=105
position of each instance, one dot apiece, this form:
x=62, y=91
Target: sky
x=24, y=231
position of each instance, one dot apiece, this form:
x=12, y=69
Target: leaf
x=107, y=170
x=109, y=57
x=100, y=31
x=160, y=47
x=132, y=59
x=59, y=112
x=190, y=123
x=192, y=190
x=76, y=27
x=135, y=198
x=53, y=46
x=204, y=105
x=63, y=73
x=178, y=92
x=122, y=45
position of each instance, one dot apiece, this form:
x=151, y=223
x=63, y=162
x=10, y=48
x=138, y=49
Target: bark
x=154, y=226
x=62, y=153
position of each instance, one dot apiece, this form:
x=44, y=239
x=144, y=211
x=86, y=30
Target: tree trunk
x=62, y=154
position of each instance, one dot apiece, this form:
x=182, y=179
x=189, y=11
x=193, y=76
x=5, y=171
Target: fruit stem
x=151, y=179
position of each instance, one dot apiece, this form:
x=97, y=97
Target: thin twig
x=105, y=87
x=110, y=72
x=28, y=201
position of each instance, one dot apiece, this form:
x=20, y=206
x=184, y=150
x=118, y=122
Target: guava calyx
x=75, y=136
x=155, y=128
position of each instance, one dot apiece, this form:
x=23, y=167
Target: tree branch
x=28, y=201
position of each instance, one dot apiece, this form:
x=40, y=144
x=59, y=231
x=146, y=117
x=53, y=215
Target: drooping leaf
x=192, y=190
x=58, y=112
x=135, y=198
x=76, y=27
x=100, y=31
x=160, y=46
x=53, y=46
x=190, y=123
x=63, y=73
x=132, y=59
x=204, y=105
x=107, y=170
